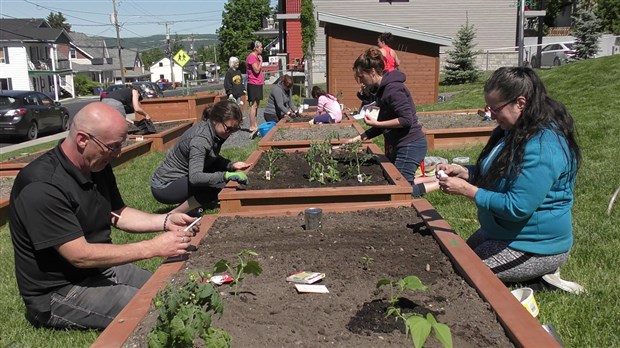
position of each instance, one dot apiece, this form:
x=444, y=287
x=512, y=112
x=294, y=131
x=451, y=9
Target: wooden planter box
x=523, y=329
x=128, y=153
x=267, y=142
x=180, y=108
x=234, y=199
x=166, y=139
x=450, y=138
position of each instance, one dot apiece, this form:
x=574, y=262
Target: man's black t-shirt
x=52, y=203
x=125, y=96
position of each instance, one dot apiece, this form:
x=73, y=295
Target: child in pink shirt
x=328, y=108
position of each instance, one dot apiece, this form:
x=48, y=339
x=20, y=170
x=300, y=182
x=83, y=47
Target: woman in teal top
x=523, y=181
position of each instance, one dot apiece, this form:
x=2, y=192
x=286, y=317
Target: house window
x=6, y=84
x=161, y=64
x=4, y=55
x=72, y=53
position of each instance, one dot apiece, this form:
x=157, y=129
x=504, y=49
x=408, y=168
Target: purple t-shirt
x=253, y=78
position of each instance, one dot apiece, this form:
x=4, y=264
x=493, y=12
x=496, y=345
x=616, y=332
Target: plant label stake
x=360, y=178
x=322, y=177
x=267, y=175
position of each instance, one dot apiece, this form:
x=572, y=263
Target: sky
x=138, y=18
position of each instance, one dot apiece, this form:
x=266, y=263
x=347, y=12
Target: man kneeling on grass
x=69, y=273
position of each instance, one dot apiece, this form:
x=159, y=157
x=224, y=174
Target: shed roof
x=329, y=18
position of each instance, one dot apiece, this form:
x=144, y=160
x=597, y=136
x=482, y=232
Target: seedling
x=418, y=326
x=270, y=157
x=185, y=314
x=243, y=268
x=356, y=157
x=366, y=262
x=323, y=167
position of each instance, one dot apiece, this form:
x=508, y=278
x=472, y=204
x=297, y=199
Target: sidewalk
x=37, y=141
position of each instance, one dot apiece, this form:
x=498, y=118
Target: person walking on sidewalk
x=522, y=182
x=63, y=204
x=256, y=80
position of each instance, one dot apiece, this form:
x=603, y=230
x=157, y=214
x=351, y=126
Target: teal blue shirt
x=532, y=211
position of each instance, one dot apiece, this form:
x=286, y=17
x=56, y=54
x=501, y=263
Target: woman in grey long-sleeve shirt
x=280, y=104
x=193, y=172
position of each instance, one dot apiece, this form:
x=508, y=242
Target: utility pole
x=217, y=75
x=520, y=28
x=118, y=42
x=170, y=54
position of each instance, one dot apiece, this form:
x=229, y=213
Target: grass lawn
x=590, y=91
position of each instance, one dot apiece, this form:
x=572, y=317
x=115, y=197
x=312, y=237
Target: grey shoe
x=554, y=279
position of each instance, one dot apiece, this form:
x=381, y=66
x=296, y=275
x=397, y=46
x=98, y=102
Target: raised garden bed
x=181, y=107
x=167, y=134
x=454, y=128
x=268, y=312
x=301, y=135
x=290, y=186
x=310, y=114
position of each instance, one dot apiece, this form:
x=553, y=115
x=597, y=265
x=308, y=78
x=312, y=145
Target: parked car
x=110, y=89
x=554, y=55
x=26, y=113
x=164, y=84
x=149, y=89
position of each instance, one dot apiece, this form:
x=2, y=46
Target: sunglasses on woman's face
x=229, y=129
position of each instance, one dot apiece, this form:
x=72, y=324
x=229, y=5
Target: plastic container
x=264, y=128
x=460, y=160
x=526, y=297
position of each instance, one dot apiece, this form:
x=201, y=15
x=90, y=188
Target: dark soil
x=293, y=172
x=315, y=132
x=159, y=126
x=300, y=119
x=269, y=312
x=454, y=121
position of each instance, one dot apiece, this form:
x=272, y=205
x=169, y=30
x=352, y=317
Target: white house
x=161, y=70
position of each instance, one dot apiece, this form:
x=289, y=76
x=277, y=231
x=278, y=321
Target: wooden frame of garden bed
x=235, y=199
x=267, y=142
x=166, y=139
x=180, y=107
x=128, y=153
x=450, y=138
x=523, y=329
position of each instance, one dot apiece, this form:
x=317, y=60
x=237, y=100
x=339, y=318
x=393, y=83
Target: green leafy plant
x=185, y=314
x=366, y=262
x=418, y=326
x=323, y=167
x=270, y=157
x=244, y=267
x=356, y=157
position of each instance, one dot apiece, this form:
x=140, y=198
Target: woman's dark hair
x=386, y=37
x=318, y=92
x=372, y=58
x=540, y=112
x=222, y=111
x=287, y=81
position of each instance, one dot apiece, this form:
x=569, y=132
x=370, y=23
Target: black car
x=26, y=113
x=110, y=89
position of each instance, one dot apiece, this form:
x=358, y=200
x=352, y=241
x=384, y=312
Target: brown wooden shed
x=346, y=38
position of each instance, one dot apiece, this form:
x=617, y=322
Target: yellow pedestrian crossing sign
x=181, y=58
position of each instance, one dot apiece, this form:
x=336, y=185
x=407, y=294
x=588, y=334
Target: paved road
x=76, y=104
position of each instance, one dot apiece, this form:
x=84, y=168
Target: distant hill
x=153, y=41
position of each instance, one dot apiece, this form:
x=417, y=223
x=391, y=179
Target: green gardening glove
x=239, y=177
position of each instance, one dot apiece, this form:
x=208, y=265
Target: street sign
x=181, y=58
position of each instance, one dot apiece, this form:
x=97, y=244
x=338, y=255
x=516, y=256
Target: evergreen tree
x=58, y=21
x=239, y=19
x=151, y=56
x=587, y=32
x=461, y=65
x=609, y=13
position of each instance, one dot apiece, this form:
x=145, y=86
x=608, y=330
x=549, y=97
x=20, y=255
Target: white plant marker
x=267, y=175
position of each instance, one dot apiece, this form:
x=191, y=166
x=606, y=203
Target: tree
x=308, y=26
x=58, y=21
x=239, y=19
x=608, y=11
x=587, y=32
x=151, y=56
x=461, y=65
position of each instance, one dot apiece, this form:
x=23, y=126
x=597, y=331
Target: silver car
x=554, y=55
